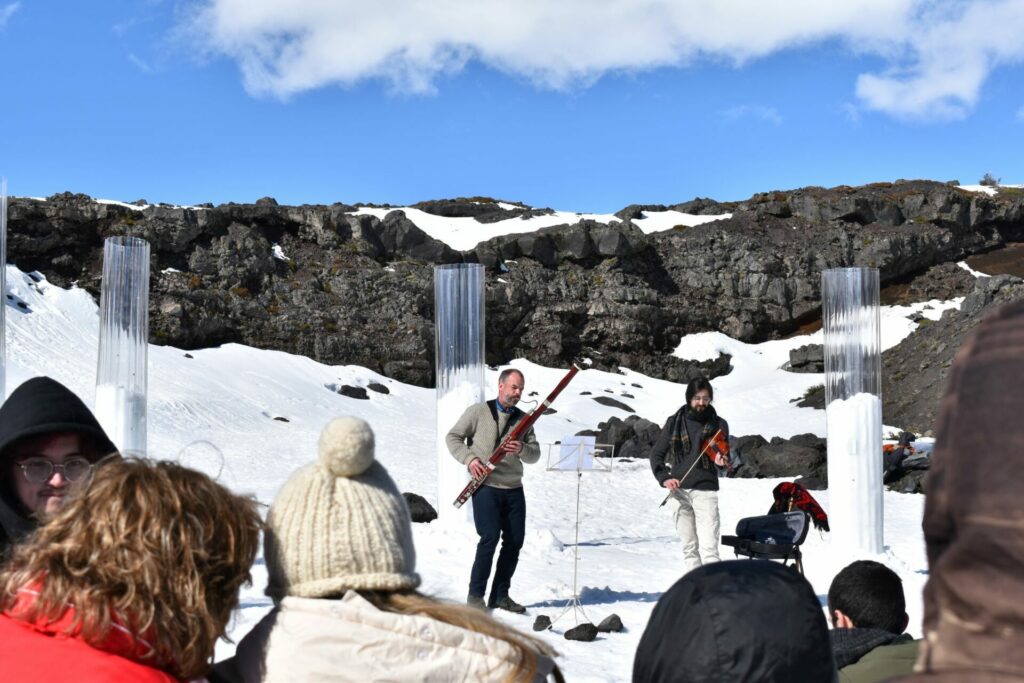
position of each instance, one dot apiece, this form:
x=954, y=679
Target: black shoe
x=476, y=601
x=508, y=604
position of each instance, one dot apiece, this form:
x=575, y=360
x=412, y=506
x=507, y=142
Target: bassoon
x=518, y=431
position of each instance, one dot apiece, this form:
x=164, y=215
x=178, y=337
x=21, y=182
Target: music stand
x=578, y=454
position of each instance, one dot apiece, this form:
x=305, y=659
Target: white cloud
x=142, y=65
x=757, y=111
x=937, y=53
x=6, y=11
x=949, y=57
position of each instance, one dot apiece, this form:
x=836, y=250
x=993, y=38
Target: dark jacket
x=733, y=621
x=668, y=464
x=871, y=655
x=882, y=664
x=974, y=512
x=39, y=406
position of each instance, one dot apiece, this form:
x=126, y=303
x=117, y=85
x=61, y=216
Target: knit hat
x=340, y=523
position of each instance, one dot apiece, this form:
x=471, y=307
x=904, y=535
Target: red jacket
x=45, y=653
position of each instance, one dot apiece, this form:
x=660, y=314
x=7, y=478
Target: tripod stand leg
x=574, y=603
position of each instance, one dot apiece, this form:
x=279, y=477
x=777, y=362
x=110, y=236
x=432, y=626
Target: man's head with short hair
x=867, y=594
x=510, y=387
x=503, y=377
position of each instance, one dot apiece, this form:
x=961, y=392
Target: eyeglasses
x=39, y=470
x=700, y=399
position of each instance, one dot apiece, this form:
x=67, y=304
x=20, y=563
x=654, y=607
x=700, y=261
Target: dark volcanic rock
x=943, y=282
x=419, y=509
x=399, y=235
x=542, y=623
x=911, y=482
x=631, y=438
x=355, y=289
x=914, y=372
x=353, y=392
x=812, y=398
x=639, y=445
x=637, y=210
x=615, y=432
x=812, y=483
x=483, y=209
x=610, y=624
x=803, y=455
x=583, y=632
x=378, y=387
x=612, y=403
x=807, y=358
x=744, y=445
x=702, y=206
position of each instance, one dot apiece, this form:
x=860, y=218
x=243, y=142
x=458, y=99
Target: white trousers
x=697, y=524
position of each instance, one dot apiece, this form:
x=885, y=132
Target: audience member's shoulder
x=882, y=663
x=957, y=677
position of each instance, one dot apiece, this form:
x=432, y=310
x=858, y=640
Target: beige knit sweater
x=474, y=436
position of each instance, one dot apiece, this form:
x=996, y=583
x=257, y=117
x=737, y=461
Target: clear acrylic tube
x=121, y=369
x=459, y=358
x=851, y=319
x=3, y=289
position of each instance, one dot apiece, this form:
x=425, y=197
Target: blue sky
x=585, y=105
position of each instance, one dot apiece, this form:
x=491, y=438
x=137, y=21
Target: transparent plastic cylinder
x=3, y=289
x=121, y=369
x=459, y=355
x=851, y=320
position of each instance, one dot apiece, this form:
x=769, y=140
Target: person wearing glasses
x=49, y=443
x=683, y=464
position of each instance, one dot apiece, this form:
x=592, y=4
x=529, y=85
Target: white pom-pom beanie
x=340, y=523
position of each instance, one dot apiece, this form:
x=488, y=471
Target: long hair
x=698, y=384
x=153, y=547
x=527, y=648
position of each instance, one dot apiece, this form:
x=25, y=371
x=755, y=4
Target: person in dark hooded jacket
x=733, y=621
x=49, y=441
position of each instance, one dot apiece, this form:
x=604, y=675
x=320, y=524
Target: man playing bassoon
x=499, y=506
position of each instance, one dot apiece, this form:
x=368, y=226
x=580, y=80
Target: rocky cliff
x=345, y=287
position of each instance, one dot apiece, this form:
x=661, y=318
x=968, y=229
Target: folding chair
x=771, y=537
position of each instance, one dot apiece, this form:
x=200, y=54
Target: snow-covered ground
x=989, y=189
x=218, y=410
x=466, y=233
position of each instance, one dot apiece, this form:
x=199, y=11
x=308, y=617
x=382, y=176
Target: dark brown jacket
x=974, y=512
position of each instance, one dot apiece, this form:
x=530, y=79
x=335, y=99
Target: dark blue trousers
x=498, y=514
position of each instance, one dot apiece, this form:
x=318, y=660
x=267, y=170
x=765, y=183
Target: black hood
x=739, y=620
x=39, y=406
x=43, y=406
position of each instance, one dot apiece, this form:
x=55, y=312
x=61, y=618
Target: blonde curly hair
x=155, y=547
